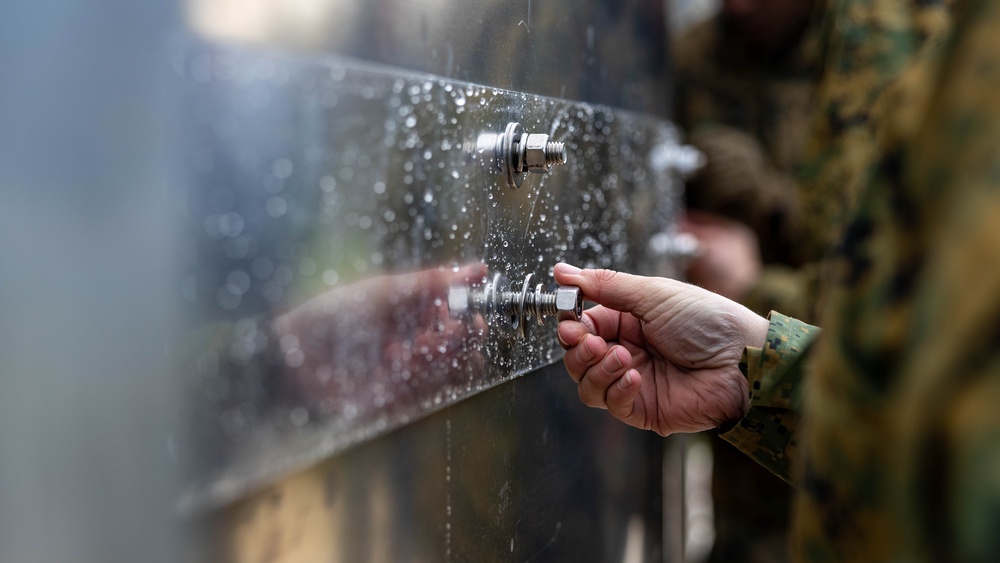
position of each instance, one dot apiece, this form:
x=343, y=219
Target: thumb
x=617, y=290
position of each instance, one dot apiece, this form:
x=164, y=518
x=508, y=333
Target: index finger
x=617, y=290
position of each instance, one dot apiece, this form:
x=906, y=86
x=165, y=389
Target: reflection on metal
x=496, y=304
x=336, y=203
x=601, y=51
x=518, y=153
x=549, y=481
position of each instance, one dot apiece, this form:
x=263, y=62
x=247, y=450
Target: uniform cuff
x=774, y=373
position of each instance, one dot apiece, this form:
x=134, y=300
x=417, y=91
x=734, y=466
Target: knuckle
x=605, y=276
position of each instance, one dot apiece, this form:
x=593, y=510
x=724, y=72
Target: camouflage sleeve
x=768, y=431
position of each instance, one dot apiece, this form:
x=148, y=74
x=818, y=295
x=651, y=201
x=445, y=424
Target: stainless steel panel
x=359, y=194
x=469, y=483
x=389, y=429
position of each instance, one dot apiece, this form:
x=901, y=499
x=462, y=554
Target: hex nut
x=535, y=158
x=569, y=303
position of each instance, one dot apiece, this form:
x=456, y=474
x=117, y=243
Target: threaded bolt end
x=555, y=153
x=547, y=307
x=477, y=301
x=509, y=302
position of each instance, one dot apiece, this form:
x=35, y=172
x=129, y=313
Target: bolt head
x=534, y=152
x=569, y=303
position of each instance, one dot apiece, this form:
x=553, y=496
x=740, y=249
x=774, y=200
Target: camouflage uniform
x=867, y=47
x=899, y=456
x=792, y=154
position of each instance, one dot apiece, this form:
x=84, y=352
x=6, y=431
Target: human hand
x=728, y=260
x=658, y=354
x=377, y=340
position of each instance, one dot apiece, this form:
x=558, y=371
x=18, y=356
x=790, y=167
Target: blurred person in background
x=787, y=150
x=747, y=81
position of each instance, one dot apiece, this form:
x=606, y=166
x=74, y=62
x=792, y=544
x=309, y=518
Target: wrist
x=756, y=330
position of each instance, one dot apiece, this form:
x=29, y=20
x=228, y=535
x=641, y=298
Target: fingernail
x=618, y=358
x=561, y=341
x=625, y=381
x=568, y=269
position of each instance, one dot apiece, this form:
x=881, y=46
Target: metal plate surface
x=348, y=198
x=470, y=483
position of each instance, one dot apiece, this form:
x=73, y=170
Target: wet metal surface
x=598, y=51
x=336, y=202
x=470, y=483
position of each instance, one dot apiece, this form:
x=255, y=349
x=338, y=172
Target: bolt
x=517, y=153
x=517, y=306
x=569, y=303
x=540, y=154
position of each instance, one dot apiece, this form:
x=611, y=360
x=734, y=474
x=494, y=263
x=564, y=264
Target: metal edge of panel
x=612, y=53
x=519, y=472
